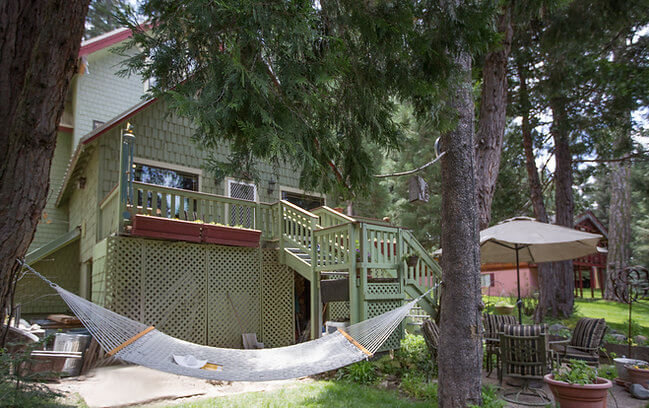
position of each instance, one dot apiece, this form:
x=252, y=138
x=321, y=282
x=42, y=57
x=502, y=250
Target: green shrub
x=363, y=372
x=415, y=385
x=414, y=355
x=607, y=371
x=490, y=398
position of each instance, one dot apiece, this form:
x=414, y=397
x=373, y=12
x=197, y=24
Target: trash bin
x=71, y=342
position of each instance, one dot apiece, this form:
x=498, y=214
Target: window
x=160, y=176
x=96, y=124
x=166, y=177
x=308, y=202
x=238, y=214
x=487, y=280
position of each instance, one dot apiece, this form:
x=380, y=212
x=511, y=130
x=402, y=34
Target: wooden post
x=316, y=304
x=592, y=282
x=581, y=282
x=354, y=310
x=125, y=187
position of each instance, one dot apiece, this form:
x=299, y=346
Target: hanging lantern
x=418, y=189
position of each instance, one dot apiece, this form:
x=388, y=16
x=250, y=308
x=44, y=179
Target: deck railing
x=334, y=248
x=328, y=217
x=168, y=202
x=297, y=226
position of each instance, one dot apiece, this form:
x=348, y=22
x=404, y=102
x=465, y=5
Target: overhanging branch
x=405, y=173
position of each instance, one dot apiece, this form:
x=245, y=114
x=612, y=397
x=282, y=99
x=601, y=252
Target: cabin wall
x=54, y=221
x=83, y=205
x=101, y=94
x=164, y=137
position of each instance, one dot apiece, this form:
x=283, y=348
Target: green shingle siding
x=83, y=206
x=54, y=221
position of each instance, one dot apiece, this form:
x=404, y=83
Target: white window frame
x=228, y=189
x=302, y=192
x=171, y=166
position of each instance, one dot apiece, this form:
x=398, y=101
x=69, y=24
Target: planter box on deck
x=233, y=236
x=167, y=228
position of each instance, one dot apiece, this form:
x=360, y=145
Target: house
x=135, y=224
x=500, y=279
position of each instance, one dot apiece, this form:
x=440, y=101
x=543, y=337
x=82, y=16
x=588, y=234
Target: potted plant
x=167, y=228
x=411, y=260
x=639, y=373
x=503, y=308
x=214, y=233
x=620, y=366
x=578, y=386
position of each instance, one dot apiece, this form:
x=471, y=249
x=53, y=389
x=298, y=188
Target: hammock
x=137, y=343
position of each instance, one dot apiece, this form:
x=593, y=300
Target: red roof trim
x=63, y=128
x=94, y=46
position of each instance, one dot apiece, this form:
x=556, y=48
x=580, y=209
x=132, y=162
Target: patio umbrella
x=523, y=239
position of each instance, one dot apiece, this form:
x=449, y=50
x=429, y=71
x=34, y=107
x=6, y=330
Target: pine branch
x=418, y=169
x=613, y=160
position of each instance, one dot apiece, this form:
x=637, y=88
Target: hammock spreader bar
x=129, y=341
x=354, y=342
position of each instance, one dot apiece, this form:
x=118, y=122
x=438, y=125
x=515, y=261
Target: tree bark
x=39, y=44
x=559, y=286
x=492, y=119
x=460, y=352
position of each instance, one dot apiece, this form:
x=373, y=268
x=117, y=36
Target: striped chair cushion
x=493, y=323
x=525, y=356
x=588, y=333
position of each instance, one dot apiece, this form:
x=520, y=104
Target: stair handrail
x=294, y=232
x=424, y=257
x=327, y=215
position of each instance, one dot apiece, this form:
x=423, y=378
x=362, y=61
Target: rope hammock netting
x=137, y=343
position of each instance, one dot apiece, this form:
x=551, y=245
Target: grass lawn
x=323, y=394
x=616, y=314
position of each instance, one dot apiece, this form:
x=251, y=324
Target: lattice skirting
x=206, y=294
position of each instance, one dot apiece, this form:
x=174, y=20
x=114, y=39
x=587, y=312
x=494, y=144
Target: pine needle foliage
x=309, y=83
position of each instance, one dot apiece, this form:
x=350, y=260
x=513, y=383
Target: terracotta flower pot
x=220, y=234
x=166, y=228
x=579, y=396
x=638, y=375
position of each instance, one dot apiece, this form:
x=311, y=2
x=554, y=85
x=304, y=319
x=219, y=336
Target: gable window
x=306, y=201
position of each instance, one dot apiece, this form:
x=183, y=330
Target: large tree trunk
x=559, y=297
x=39, y=44
x=460, y=351
x=546, y=271
x=492, y=119
x=619, y=225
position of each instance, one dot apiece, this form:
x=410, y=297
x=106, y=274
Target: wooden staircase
x=323, y=241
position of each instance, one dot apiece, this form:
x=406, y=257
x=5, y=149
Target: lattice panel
x=384, y=288
x=182, y=289
x=62, y=267
x=173, y=289
x=234, y=272
x=338, y=311
x=375, y=308
x=278, y=309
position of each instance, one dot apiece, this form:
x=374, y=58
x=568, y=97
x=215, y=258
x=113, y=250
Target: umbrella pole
x=519, y=302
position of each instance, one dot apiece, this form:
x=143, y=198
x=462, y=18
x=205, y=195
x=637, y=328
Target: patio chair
x=525, y=355
x=493, y=325
x=431, y=335
x=586, y=340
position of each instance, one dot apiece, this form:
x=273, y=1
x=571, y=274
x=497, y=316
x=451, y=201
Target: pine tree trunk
x=546, y=271
x=559, y=298
x=39, y=44
x=619, y=225
x=492, y=119
x=460, y=351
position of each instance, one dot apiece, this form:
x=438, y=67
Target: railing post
x=125, y=188
x=316, y=304
x=354, y=281
x=280, y=230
